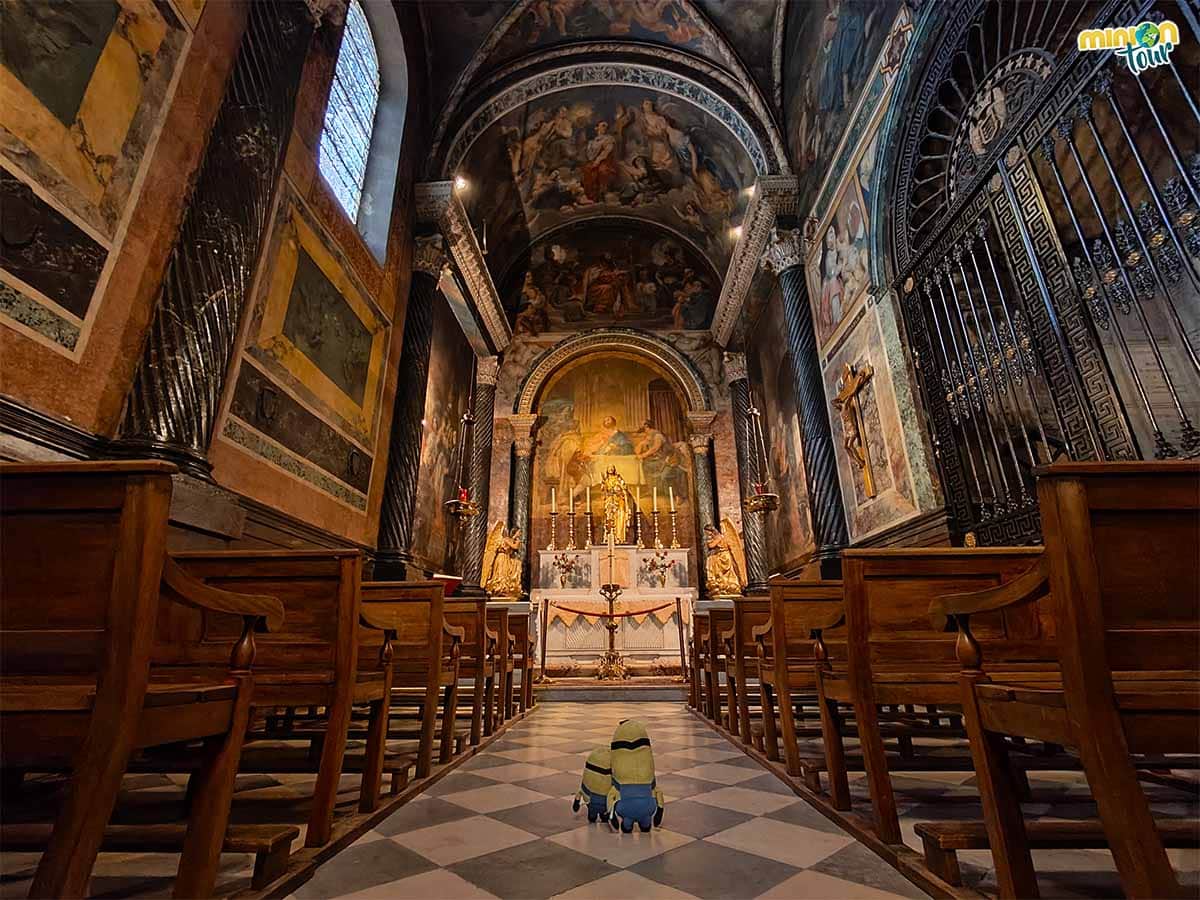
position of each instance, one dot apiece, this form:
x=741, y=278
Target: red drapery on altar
x=639, y=610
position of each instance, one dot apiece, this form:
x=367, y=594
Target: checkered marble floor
x=502, y=826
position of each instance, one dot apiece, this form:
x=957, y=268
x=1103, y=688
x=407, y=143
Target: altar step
x=591, y=690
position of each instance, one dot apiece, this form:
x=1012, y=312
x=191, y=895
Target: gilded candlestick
x=571, y=529
x=553, y=530
x=587, y=537
x=674, y=531
x=657, y=541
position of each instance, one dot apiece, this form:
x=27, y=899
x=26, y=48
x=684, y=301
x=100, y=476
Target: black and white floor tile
x=502, y=826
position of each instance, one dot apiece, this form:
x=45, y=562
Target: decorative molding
x=486, y=370
x=700, y=423
x=522, y=425
x=429, y=255
x=612, y=73
x=438, y=204
x=740, y=81
x=625, y=340
x=735, y=367
x=52, y=434
x=785, y=249
x=774, y=196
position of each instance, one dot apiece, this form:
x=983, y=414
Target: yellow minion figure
x=634, y=796
x=597, y=780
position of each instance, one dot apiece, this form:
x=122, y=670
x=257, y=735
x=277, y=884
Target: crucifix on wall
x=854, y=431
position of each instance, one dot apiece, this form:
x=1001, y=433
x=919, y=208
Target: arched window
x=350, y=116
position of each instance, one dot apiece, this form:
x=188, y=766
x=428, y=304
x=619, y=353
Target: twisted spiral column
x=783, y=256
x=475, y=538
x=404, y=442
x=754, y=532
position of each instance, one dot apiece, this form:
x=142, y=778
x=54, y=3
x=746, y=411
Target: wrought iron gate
x=1046, y=240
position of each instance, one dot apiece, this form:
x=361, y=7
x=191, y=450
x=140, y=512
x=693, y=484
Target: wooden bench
x=896, y=657
x=721, y=709
x=1122, y=544
x=941, y=841
x=270, y=844
x=697, y=696
x=519, y=626
x=785, y=648
x=84, y=580
x=425, y=657
x=313, y=661
x=506, y=647
x=478, y=659
x=748, y=613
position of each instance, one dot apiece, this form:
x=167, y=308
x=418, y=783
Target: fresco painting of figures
x=547, y=22
x=829, y=49
x=612, y=151
x=612, y=411
x=838, y=270
x=591, y=276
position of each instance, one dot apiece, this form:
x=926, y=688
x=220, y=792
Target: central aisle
x=502, y=826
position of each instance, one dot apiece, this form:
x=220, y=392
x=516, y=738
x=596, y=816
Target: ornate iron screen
x=1046, y=240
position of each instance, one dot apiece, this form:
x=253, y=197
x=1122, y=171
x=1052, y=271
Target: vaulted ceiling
x=620, y=130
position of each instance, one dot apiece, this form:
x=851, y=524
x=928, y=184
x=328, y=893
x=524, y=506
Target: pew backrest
x=799, y=607
x=414, y=610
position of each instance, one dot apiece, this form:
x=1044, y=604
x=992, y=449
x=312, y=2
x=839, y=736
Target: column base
x=189, y=461
x=390, y=565
x=828, y=560
x=756, y=588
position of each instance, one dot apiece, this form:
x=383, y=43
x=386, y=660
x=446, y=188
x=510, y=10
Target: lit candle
x=671, y=494
x=553, y=501
x=654, y=504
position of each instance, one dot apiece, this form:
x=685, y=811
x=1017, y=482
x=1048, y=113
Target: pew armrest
x=761, y=632
x=377, y=616
x=454, y=631
x=183, y=588
x=1031, y=585
x=822, y=619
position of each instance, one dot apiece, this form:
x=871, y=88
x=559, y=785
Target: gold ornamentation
x=502, y=561
x=854, y=431
x=616, y=506
x=725, y=561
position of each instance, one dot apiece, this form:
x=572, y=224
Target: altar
x=568, y=603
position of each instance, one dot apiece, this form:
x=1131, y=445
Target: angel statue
x=725, y=563
x=502, y=561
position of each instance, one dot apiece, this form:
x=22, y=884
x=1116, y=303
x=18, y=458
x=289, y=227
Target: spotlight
x=460, y=183
x=736, y=233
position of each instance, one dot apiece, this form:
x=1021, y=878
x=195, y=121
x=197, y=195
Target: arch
x=637, y=344
x=764, y=158
x=363, y=129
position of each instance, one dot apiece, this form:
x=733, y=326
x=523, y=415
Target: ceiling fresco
x=829, y=49
x=749, y=27
x=615, y=273
x=592, y=152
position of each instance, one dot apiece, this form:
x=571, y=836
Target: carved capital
x=429, y=256
x=735, y=367
x=700, y=443
x=486, y=370
x=522, y=426
x=785, y=250
x=774, y=196
x=331, y=11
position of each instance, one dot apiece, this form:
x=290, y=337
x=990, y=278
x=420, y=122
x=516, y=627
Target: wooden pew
x=896, y=657
x=722, y=705
x=786, y=649
x=313, y=661
x=519, y=625
x=749, y=613
x=1122, y=545
x=698, y=687
x=506, y=648
x=478, y=659
x=84, y=579
x=425, y=656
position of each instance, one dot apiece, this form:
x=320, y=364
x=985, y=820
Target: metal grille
x=1048, y=251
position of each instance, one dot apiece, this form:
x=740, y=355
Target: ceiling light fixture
x=736, y=233
x=460, y=183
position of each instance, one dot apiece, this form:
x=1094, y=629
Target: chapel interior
x=599, y=449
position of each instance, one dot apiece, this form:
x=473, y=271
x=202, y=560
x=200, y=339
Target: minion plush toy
x=597, y=780
x=634, y=796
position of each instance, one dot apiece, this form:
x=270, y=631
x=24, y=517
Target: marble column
x=404, y=444
x=173, y=401
x=754, y=532
x=784, y=257
x=476, y=528
x=705, y=507
x=522, y=474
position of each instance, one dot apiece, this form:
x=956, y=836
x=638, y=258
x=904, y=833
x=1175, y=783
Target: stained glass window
x=350, y=116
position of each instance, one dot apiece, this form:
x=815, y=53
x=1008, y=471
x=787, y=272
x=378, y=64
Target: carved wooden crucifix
x=854, y=429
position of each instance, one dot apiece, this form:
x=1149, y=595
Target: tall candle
x=671, y=494
x=638, y=501
x=589, y=498
x=654, y=505
x=572, y=501
x=553, y=501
